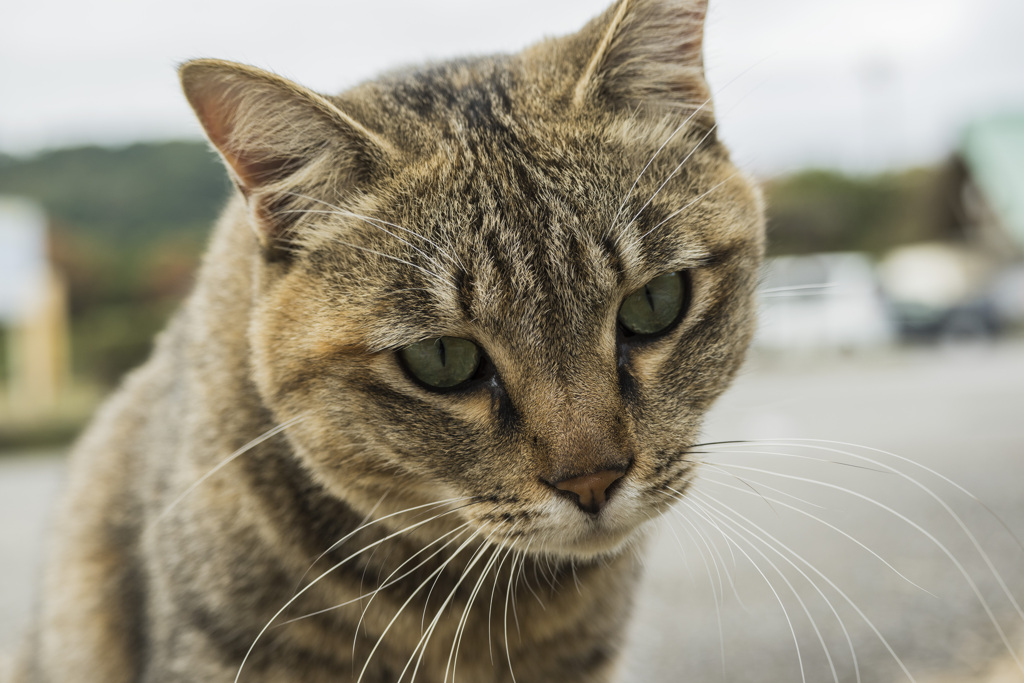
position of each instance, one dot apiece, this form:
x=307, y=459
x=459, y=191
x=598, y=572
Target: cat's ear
x=273, y=134
x=646, y=54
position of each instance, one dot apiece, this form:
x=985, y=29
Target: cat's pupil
x=655, y=306
x=443, y=362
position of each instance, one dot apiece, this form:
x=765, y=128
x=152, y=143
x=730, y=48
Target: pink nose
x=591, y=490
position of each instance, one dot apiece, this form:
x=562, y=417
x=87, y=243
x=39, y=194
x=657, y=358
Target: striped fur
x=512, y=200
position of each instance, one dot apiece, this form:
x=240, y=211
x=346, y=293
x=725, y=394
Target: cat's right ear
x=273, y=134
x=645, y=54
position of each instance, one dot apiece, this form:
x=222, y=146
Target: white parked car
x=823, y=301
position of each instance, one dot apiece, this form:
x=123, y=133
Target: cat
x=452, y=340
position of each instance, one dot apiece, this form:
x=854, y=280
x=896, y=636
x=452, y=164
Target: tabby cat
x=452, y=340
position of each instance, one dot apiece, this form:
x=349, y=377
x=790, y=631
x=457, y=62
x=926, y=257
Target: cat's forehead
x=452, y=98
x=488, y=152
x=495, y=127
x=511, y=213
x=528, y=240
x=523, y=268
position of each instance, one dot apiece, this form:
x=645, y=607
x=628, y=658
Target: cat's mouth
x=593, y=543
x=573, y=531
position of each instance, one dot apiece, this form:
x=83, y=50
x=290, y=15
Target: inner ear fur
x=647, y=54
x=277, y=138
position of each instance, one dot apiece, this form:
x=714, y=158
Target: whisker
x=682, y=552
x=389, y=581
x=426, y=506
x=717, y=591
x=521, y=577
x=432, y=575
x=508, y=592
x=797, y=288
x=814, y=444
x=671, y=175
x=342, y=212
x=362, y=523
x=771, y=587
x=830, y=526
x=712, y=506
x=366, y=608
x=952, y=558
x=755, y=490
x=368, y=221
x=453, y=654
x=322, y=576
x=525, y=579
x=549, y=575
x=728, y=574
x=797, y=291
x=425, y=638
x=376, y=222
x=655, y=156
x=689, y=204
x=711, y=511
x=798, y=456
x=244, y=449
x=393, y=258
x=696, y=111
x=718, y=595
x=494, y=587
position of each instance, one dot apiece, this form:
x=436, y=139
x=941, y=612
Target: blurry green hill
x=820, y=210
x=128, y=196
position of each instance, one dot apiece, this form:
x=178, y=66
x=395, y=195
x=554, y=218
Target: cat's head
x=516, y=282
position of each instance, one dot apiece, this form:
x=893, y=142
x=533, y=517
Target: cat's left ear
x=273, y=134
x=646, y=54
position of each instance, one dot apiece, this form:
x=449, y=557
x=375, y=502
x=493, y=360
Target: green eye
x=444, y=362
x=655, y=306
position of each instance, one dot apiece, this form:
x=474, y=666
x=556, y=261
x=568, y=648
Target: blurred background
x=888, y=135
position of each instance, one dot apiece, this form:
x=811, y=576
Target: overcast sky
x=858, y=84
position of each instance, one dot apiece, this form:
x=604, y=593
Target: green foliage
x=817, y=211
x=30, y=435
x=126, y=196
x=127, y=229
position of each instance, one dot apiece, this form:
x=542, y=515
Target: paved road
x=959, y=411
x=746, y=611
x=28, y=485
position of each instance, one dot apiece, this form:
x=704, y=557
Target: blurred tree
x=123, y=196
x=816, y=211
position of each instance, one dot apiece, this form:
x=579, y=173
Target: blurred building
x=822, y=301
x=972, y=282
x=33, y=312
x=989, y=169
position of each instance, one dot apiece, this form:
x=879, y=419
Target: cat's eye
x=442, y=363
x=656, y=306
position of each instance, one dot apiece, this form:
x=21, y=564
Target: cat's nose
x=591, y=490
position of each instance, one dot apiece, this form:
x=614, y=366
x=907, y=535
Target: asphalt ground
x=820, y=538
x=789, y=562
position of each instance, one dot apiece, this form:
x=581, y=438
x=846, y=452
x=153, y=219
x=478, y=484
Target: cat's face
x=501, y=211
